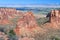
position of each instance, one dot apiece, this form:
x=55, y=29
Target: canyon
x=26, y=27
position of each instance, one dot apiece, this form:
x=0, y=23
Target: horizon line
x=33, y=5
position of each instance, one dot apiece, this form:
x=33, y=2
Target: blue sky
x=29, y=3
x=38, y=2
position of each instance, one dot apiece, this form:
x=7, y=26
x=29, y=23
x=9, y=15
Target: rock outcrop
x=8, y=13
x=54, y=18
x=27, y=26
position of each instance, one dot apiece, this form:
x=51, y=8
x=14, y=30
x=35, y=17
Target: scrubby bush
x=55, y=38
x=42, y=20
x=12, y=35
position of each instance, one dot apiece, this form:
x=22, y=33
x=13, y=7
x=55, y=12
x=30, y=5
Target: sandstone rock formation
x=54, y=18
x=6, y=14
x=27, y=26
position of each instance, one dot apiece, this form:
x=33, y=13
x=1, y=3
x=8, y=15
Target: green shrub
x=11, y=32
